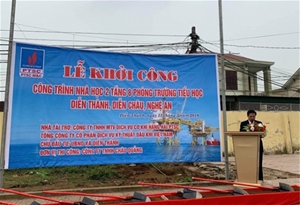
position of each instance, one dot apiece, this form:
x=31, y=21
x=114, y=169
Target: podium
x=246, y=150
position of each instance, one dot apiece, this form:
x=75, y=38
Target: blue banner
x=79, y=107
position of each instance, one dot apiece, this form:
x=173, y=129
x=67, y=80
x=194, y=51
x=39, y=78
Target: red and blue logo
x=32, y=63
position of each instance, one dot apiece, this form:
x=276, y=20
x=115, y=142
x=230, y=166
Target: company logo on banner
x=32, y=63
x=79, y=107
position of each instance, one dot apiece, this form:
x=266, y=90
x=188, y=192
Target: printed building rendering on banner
x=77, y=107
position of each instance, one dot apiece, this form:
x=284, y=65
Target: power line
x=241, y=69
x=281, y=71
x=67, y=40
x=134, y=46
x=215, y=45
x=273, y=71
x=263, y=36
x=254, y=46
x=158, y=35
x=21, y=31
x=145, y=46
x=261, y=77
x=89, y=34
x=266, y=47
x=81, y=34
x=115, y=42
x=138, y=34
x=93, y=33
x=98, y=33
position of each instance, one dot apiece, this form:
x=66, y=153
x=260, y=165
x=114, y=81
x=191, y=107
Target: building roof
x=242, y=59
x=289, y=83
x=230, y=56
x=292, y=79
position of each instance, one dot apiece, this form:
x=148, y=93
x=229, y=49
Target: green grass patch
x=76, y=175
x=186, y=179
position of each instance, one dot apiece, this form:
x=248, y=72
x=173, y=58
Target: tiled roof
x=233, y=57
x=236, y=57
x=230, y=56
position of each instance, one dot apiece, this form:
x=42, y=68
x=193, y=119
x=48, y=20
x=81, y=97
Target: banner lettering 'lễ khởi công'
x=79, y=107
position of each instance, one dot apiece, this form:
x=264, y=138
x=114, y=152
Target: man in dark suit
x=251, y=114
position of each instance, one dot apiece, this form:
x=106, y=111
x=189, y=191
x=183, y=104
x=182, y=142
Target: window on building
x=231, y=80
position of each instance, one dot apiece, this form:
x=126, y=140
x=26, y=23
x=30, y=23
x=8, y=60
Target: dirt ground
x=154, y=173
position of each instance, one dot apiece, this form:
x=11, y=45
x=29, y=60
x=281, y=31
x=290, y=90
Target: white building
x=242, y=75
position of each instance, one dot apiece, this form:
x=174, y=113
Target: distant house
x=241, y=75
x=291, y=88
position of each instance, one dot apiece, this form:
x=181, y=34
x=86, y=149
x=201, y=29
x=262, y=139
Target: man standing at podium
x=251, y=114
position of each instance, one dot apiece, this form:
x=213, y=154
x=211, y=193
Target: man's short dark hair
x=251, y=111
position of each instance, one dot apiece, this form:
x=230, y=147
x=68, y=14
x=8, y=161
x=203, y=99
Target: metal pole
x=5, y=114
x=223, y=92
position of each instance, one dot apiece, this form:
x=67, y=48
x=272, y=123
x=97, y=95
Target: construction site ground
x=277, y=168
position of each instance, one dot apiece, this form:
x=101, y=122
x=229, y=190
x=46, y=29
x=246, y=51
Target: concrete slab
x=285, y=162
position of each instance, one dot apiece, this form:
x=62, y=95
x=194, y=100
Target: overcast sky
x=273, y=25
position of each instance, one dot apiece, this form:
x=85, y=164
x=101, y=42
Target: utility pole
x=223, y=80
x=194, y=37
x=5, y=114
x=194, y=45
